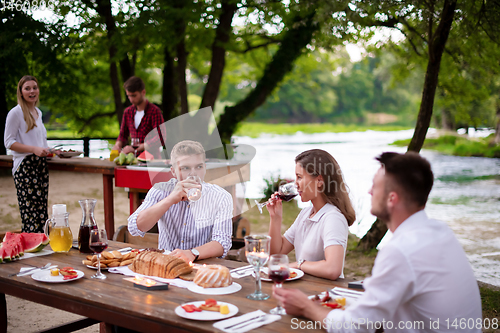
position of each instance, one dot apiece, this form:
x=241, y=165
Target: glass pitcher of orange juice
x=58, y=230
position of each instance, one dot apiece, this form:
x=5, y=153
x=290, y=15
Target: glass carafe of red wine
x=88, y=223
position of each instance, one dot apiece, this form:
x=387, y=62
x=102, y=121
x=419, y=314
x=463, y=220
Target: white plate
x=44, y=276
x=206, y=315
x=234, y=287
x=102, y=269
x=266, y=270
x=68, y=154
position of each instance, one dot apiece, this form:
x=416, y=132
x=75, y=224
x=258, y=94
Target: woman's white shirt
x=311, y=236
x=15, y=131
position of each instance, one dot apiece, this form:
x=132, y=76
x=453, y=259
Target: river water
x=466, y=192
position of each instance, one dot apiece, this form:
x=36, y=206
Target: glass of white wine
x=257, y=252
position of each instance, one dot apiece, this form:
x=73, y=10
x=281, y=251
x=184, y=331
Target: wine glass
x=286, y=192
x=135, y=142
x=278, y=272
x=194, y=193
x=257, y=252
x=98, y=243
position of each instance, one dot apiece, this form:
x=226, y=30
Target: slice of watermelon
x=11, y=250
x=18, y=239
x=145, y=156
x=34, y=242
x=5, y=254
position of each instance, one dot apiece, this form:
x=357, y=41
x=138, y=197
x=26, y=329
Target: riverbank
x=458, y=145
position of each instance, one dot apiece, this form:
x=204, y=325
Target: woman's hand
x=41, y=152
x=275, y=207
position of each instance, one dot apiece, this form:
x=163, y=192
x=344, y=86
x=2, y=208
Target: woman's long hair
x=318, y=162
x=28, y=117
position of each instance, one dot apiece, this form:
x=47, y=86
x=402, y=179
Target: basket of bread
x=111, y=259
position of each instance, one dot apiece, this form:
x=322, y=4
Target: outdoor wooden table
x=117, y=302
x=89, y=165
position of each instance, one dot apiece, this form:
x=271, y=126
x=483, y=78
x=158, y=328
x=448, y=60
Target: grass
x=459, y=146
x=490, y=299
x=254, y=130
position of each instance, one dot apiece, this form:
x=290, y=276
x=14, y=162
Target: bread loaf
x=158, y=264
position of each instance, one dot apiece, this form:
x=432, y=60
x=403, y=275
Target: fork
x=25, y=272
x=253, y=320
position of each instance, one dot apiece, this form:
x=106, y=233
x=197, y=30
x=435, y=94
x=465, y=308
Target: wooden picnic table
x=88, y=165
x=115, y=301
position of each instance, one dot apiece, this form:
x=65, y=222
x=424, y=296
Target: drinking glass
x=278, y=272
x=257, y=252
x=194, y=193
x=98, y=242
x=286, y=192
x=135, y=142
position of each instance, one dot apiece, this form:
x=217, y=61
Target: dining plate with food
x=69, y=153
x=232, y=288
x=209, y=309
x=329, y=300
x=57, y=275
x=295, y=274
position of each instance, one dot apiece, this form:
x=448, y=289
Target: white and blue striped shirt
x=187, y=225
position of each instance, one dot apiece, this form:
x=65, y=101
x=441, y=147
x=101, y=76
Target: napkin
x=31, y=272
x=246, y=327
x=242, y=272
x=128, y=272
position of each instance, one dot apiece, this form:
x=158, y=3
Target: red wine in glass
x=98, y=247
x=286, y=197
x=279, y=276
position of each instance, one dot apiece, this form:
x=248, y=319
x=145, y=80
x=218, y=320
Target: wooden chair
x=123, y=235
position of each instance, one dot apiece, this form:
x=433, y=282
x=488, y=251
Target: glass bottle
x=88, y=223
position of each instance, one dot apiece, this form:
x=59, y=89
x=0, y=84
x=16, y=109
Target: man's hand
x=185, y=255
x=128, y=149
x=296, y=303
x=181, y=188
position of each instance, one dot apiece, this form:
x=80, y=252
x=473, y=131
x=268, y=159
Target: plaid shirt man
x=152, y=118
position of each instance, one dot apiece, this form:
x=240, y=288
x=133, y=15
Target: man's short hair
x=134, y=84
x=410, y=173
x=186, y=148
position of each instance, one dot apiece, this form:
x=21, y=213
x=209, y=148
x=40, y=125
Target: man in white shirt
x=421, y=280
x=191, y=230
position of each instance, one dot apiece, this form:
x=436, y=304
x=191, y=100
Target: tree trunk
x=436, y=47
x=104, y=10
x=169, y=90
x=218, y=54
x=435, y=53
x=497, y=128
x=181, y=73
x=294, y=41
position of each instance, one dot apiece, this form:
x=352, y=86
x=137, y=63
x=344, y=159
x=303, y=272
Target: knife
x=245, y=321
x=243, y=268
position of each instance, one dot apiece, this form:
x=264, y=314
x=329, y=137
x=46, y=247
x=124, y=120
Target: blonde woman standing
x=26, y=136
x=319, y=234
